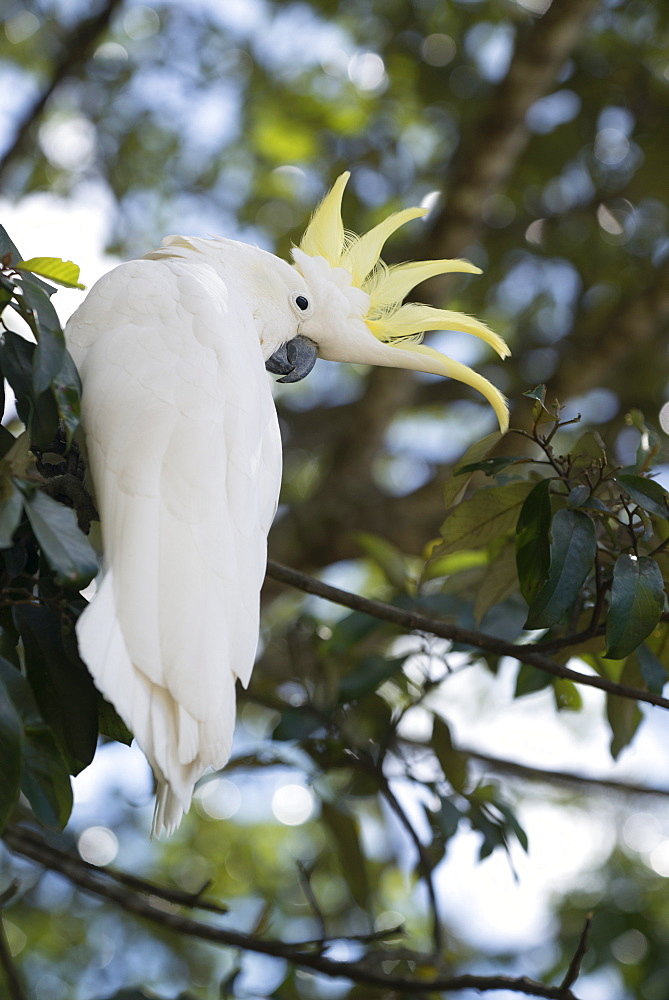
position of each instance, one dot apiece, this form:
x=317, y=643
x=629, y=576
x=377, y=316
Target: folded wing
x=184, y=452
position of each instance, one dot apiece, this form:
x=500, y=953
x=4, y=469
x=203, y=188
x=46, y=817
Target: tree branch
x=99, y=884
x=423, y=860
x=319, y=531
x=413, y=620
x=575, y=964
x=75, y=52
x=527, y=773
x=487, y=157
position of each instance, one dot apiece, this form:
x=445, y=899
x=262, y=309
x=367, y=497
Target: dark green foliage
x=573, y=548
x=533, y=556
x=637, y=601
x=49, y=705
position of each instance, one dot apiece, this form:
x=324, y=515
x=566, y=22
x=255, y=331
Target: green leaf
x=479, y=450
x=578, y=496
x=530, y=680
x=37, y=411
x=65, y=546
x=456, y=562
x=454, y=491
x=500, y=580
x=48, y=357
x=533, y=541
x=454, y=764
x=623, y=714
x=11, y=754
x=491, y=466
x=567, y=695
x=368, y=676
x=64, y=689
x=587, y=452
x=493, y=835
x=637, y=602
x=538, y=393
x=387, y=557
x=66, y=386
x=297, y=724
x=448, y=818
x=63, y=272
x=11, y=510
x=514, y=825
x=650, y=441
x=344, y=830
x=45, y=781
x=482, y=519
x=16, y=361
x=7, y=247
x=349, y=632
x=573, y=549
x=111, y=724
x=646, y=493
x=652, y=670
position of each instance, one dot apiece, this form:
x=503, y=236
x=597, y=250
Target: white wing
x=184, y=451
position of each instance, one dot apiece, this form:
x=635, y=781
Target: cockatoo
x=184, y=453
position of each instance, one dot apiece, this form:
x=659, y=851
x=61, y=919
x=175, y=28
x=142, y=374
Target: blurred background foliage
x=536, y=133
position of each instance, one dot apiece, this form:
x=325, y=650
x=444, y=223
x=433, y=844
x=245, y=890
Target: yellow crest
x=390, y=321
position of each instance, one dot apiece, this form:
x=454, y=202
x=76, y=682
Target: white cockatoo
x=184, y=454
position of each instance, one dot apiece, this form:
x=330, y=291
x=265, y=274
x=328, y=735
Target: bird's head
x=351, y=308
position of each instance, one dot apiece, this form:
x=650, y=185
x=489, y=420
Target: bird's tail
x=146, y=708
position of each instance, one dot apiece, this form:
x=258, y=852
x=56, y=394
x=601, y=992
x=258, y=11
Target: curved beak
x=293, y=360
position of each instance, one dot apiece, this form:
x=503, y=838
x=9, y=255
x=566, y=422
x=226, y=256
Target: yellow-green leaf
x=500, y=581
x=485, y=517
x=64, y=272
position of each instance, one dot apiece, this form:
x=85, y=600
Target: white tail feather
x=178, y=747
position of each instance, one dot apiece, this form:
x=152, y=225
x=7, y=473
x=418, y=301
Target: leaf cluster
x=49, y=704
x=576, y=540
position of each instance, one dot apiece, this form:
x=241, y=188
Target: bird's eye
x=301, y=305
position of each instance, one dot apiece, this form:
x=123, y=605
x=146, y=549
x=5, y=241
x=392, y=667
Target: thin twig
x=424, y=864
x=103, y=887
x=575, y=964
x=307, y=889
x=413, y=620
x=567, y=777
x=174, y=896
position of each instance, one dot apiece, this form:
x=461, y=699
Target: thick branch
x=101, y=886
x=75, y=52
x=413, y=620
x=488, y=155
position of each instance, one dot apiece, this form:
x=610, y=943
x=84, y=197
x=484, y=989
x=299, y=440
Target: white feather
x=184, y=452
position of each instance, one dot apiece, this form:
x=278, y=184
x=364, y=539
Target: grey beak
x=293, y=360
